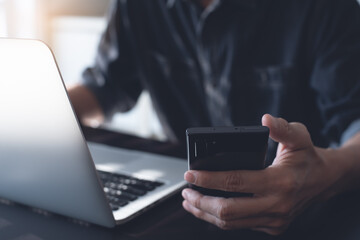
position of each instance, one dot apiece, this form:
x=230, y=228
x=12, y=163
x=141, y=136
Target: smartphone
x=226, y=149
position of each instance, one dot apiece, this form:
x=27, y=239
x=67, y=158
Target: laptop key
x=118, y=201
x=129, y=196
x=139, y=184
x=127, y=185
x=125, y=188
x=130, y=189
x=121, y=194
x=145, y=187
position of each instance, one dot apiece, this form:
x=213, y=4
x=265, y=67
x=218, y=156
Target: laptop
x=46, y=163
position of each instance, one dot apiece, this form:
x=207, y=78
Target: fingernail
x=185, y=194
x=274, y=121
x=190, y=177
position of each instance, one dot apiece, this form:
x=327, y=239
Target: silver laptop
x=45, y=161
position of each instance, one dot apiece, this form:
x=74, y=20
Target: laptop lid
x=44, y=160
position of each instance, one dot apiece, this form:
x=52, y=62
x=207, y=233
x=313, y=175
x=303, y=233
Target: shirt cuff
x=95, y=82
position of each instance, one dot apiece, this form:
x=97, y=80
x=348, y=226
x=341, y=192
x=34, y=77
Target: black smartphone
x=226, y=149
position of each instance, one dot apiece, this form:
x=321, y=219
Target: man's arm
x=86, y=105
x=112, y=84
x=300, y=175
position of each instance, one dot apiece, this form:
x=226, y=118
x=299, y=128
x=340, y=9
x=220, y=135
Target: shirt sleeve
x=335, y=75
x=351, y=131
x=114, y=79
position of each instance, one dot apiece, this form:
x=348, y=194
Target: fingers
x=270, y=225
x=228, y=208
x=231, y=181
x=292, y=135
x=206, y=203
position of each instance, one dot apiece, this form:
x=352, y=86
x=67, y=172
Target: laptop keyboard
x=121, y=189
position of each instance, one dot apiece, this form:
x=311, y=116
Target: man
x=227, y=63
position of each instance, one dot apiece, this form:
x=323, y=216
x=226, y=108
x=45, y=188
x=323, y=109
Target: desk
x=337, y=219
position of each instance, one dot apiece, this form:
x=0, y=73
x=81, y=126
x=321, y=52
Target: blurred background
x=72, y=28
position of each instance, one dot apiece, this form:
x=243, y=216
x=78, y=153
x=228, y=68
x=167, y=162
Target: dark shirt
x=232, y=62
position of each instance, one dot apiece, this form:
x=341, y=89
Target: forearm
x=85, y=105
x=344, y=166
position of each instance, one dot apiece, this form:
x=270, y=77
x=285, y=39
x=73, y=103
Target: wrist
x=342, y=169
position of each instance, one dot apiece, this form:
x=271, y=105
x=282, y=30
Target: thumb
x=292, y=135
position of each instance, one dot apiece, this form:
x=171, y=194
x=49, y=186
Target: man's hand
x=86, y=105
x=299, y=176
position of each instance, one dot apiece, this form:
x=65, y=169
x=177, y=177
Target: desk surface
x=337, y=219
